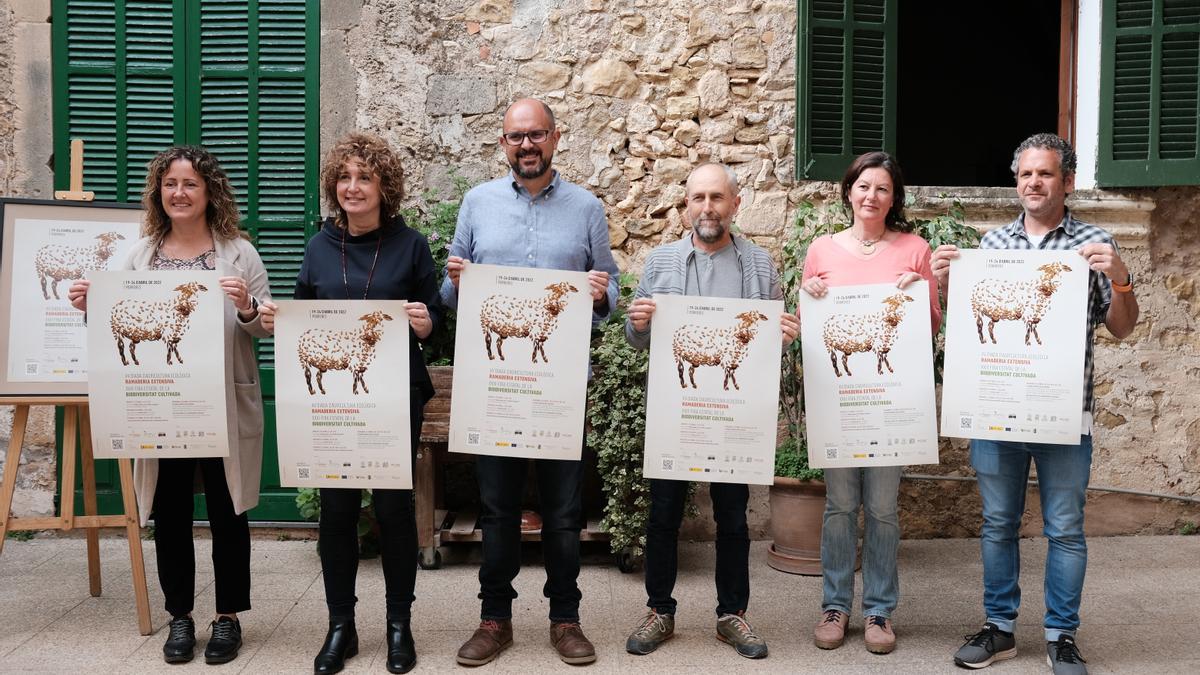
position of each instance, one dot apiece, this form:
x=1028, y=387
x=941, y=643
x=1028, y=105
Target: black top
x=404, y=272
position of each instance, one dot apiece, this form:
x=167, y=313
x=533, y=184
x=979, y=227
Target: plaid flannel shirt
x=1071, y=234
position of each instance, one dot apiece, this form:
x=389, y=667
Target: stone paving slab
x=1138, y=612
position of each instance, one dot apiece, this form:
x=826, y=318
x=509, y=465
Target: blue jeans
x=501, y=486
x=732, y=574
x=874, y=488
x=1063, y=472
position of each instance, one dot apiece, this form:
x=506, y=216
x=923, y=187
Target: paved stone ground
x=1138, y=612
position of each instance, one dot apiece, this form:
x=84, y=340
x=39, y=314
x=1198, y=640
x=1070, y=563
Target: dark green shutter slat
x=1179, y=80
x=94, y=119
x=115, y=88
x=846, y=103
x=1181, y=12
x=1150, y=93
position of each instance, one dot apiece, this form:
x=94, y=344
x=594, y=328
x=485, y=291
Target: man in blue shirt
x=531, y=218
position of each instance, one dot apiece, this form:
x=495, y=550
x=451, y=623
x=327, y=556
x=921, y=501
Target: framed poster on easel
x=45, y=245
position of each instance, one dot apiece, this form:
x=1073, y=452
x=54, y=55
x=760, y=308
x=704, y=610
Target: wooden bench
x=435, y=524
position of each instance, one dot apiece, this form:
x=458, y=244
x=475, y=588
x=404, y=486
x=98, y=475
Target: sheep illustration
x=147, y=320
x=1008, y=300
x=712, y=346
x=351, y=350
x=534, y=318
x=59, y=262
x=873, y=332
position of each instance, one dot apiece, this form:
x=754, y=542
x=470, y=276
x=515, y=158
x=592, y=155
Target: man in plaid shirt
x=1044, y=166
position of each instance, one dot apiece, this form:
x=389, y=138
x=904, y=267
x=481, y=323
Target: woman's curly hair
x=222, y=211
x=378, y=158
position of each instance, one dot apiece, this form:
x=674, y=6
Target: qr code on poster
x=965, y=423
x=473, y=437
x=31, y=368
x=303, y=473
x=668, y=465
x=831, y=453
x=118, y=444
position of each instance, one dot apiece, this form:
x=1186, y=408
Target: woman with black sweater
x=364, y=251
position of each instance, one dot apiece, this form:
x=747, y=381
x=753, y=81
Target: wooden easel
x=76, y=421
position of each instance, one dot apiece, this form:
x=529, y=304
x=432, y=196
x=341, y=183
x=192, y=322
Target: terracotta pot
x=797, y=509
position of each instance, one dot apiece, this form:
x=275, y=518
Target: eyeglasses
x=518, y=137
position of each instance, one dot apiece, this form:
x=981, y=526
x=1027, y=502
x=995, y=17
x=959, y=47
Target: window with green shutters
x=240, y=77
x=1149, y=93
x=846, y=83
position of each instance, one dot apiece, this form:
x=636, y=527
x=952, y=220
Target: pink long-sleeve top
x=836, y=266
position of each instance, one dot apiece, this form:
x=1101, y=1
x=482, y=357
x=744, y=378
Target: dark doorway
x=976, y=78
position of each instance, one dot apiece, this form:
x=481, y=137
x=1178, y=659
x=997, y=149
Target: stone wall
x=25, y=141
x=643, y=90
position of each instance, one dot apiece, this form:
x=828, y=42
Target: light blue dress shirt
x=561, y=228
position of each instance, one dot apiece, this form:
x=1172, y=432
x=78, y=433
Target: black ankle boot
x=341, y=642
x=402, y=655
x=181, y=640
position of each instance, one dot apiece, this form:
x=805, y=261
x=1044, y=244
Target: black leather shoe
x=224, y=641
x=341, y=642
x=402, y=655
x=181, y=640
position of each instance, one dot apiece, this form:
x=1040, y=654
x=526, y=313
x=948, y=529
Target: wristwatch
x=253, y=307
x=1125, y=287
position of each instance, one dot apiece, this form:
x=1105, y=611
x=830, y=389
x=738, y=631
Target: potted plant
x=797, y=508
x=797, y=498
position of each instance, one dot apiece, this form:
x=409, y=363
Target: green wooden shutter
x=117, y=85
x=255, y=83
x=241, y=78
x=1149, y=93
x=846, y=83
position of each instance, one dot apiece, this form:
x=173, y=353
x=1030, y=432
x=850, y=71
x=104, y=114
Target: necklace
x=371, y=273
x=866, y=246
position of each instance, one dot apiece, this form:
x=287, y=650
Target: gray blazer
x=243, y=397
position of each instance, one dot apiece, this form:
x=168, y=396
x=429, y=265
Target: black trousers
x=501, y=485
x=172, y=512
x=338, y=541
x=667, y=500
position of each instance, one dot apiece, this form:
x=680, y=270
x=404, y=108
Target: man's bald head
x=521, y=103
x=712, y=201
x=709, y=168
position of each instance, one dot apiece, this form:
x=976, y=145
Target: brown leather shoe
x=572, y=645
x=491, y=638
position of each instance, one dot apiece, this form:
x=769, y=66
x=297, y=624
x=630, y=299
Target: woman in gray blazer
x=191, y=223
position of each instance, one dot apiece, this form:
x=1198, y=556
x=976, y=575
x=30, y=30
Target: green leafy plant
x=20, y=535
x=1188, y=527
x=616, y=415
x=437, y=218
x=813, y=221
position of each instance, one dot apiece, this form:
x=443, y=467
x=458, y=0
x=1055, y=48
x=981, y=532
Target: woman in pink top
x=877, y=248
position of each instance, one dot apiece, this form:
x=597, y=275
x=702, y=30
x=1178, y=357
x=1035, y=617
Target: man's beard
x=709, y=234
x=542, y=166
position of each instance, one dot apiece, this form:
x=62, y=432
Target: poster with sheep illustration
x=868, y=376
x=1015, y=333
x=712, y=396
x=520, y=362
x=47, y=246
x=159, y=384
x=341, y=394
